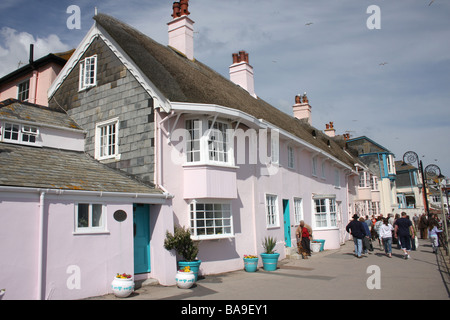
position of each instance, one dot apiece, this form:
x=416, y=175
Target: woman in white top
x=433, y=234
x=385, y=233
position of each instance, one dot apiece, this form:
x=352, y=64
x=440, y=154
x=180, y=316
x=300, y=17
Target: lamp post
x=433, y=171
x=410, y=157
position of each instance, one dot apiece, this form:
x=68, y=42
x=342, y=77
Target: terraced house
x=221, y=160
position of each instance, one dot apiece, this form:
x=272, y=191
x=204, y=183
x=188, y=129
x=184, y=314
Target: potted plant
x=185, y=278
x=184, y=246
x=250, y=263
x=122, y=285
x=269, y=256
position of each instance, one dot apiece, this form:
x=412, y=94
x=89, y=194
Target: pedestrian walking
x=385, y=234
x=434, y=235
x=415, y=220
x=423, y=226
x=303, y=240
x=366, y=239
x=403, y=227
x=377, y=226
x=356, y=229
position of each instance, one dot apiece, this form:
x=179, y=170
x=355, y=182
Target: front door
x=141, y=226
x=287, y=223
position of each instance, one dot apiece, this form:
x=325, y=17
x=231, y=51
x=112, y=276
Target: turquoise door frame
x=141, y=232
x=287, y=223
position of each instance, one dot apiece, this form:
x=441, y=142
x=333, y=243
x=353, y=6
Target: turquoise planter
x=194, y=265
x=270, y=261
x=250, y=264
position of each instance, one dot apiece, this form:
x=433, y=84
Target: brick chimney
x=181, y=29
x=302, y=108
x=241, y=72
x=330, y=131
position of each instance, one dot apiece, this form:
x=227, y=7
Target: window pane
x=97, y=215
x=83, y=215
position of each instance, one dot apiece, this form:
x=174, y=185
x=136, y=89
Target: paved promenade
x=328, y=275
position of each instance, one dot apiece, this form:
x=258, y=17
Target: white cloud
x=15, y=47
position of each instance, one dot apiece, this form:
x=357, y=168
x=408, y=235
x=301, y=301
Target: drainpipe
x=41, y=245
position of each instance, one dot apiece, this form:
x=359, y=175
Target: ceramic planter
x=315, y=246
x=185, y=280
x=270, y=261
x=250, y=264
x=122, y=288
x=193, y=265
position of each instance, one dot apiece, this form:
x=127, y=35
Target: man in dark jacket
x=356, y=229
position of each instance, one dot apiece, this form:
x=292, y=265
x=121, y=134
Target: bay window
x=208, y=142
x=325, y=212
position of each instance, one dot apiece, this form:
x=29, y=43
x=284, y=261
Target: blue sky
x=322, y=47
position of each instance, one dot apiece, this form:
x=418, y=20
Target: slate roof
x=24, y=166
x=184, y=80
x=19, y=110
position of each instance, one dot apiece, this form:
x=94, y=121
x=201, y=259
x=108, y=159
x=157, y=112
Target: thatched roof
x=184, y=80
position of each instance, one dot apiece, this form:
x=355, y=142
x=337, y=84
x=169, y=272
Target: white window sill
x=213, y=237
x=90, y=232
x=209, y=164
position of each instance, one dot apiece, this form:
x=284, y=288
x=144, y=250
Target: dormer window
x=88, y=72
x=18, y=133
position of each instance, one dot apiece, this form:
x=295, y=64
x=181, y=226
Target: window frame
x=314, y=166
x=21, y=91
x=328, y=213
x=272, y=211
x=198, y=142
x=90, y=229
x=83, y=80
x=99, y=137
x=220, y=211
x=21, y=133
x=298, y=210
x=290, y=157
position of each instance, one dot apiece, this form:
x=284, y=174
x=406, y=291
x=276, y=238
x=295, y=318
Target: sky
x=375, y=68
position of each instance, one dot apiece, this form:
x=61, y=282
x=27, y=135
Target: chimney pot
x=184, y=4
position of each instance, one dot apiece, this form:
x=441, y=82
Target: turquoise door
x=287, y=223
x=141, y=226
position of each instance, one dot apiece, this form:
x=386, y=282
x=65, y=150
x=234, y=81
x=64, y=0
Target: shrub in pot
x=184, y=246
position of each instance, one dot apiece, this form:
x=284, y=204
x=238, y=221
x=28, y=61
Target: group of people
x=387, y=230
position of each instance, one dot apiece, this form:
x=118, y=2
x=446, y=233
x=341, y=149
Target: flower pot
x=315, y=246
x=322, y=243
x=194, y=265
x=270, y=261
x=185, y=280
x=122, y=288
x=250, y=264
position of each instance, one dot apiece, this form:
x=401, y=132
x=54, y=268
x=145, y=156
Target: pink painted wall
x=40, y=81
x=97, y=257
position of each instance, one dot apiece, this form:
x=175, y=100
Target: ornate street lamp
x=433, y=171
x=410, y=157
